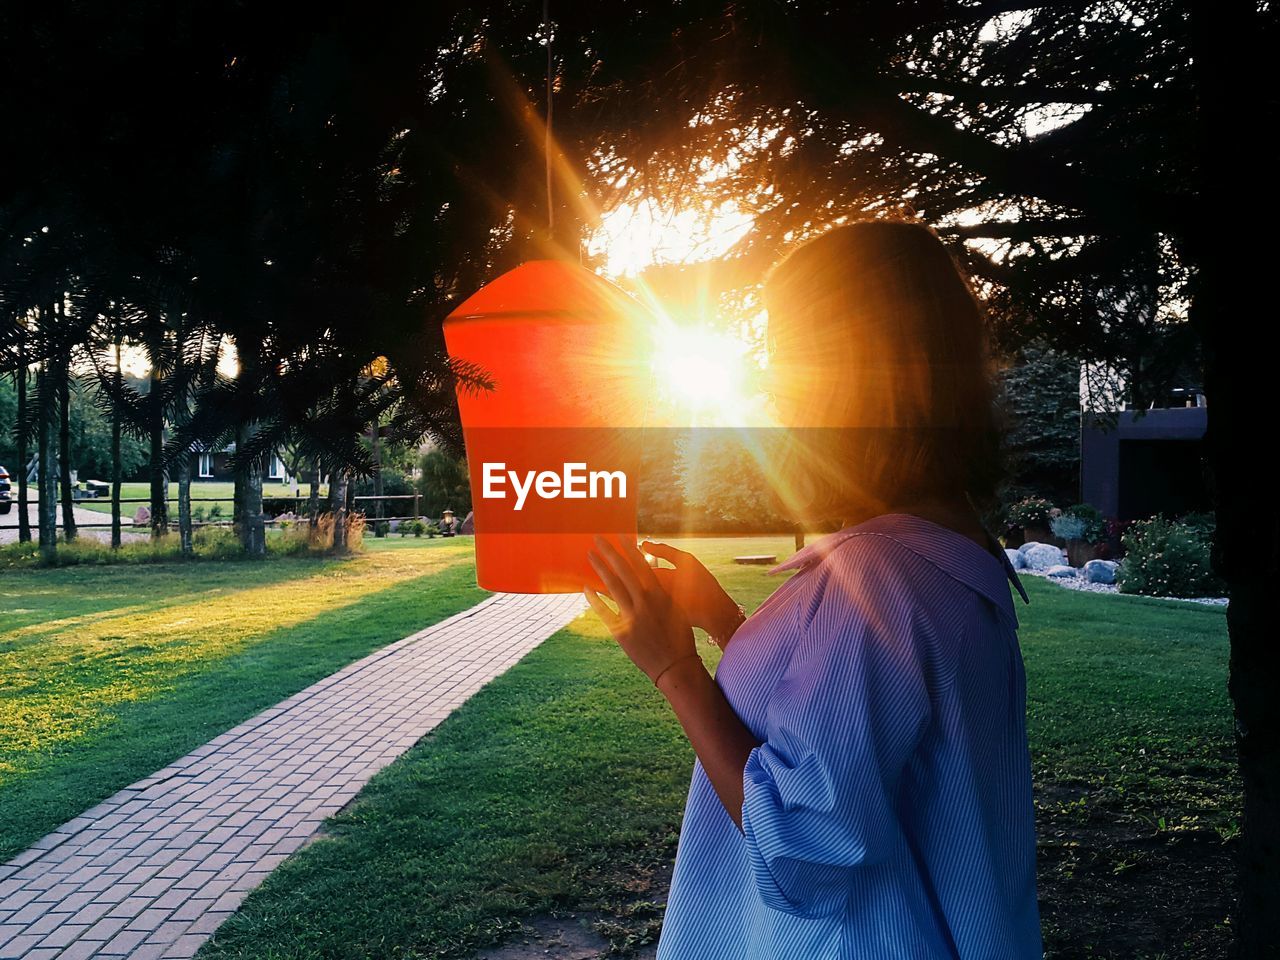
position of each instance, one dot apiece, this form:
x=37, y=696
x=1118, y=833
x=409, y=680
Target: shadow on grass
x=43, y=595
x=143, y=736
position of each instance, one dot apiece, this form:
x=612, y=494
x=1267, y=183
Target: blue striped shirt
x=887, y=810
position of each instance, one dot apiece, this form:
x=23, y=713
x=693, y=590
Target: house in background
x=215, y=465
x=1135, y=464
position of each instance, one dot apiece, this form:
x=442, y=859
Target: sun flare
x=705, y=373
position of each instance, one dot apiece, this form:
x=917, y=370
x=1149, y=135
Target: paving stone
x=124, y=942
x=64, y=934
x=155, y=869
x=81, y=950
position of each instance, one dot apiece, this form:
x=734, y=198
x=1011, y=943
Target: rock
x=469, y=524
x=142, y=517
x=1041, y=556
x=1061, y=571
x=1015, y=559
x=1101, y=571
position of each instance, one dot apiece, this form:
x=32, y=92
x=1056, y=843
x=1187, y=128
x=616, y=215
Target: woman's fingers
x=618, y=590
x=611, y=619
x=664, y=551
x=622, y=568
x=644, y=573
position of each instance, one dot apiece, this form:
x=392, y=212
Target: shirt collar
x=952, y=552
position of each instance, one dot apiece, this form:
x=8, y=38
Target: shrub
x=355, y=531
x=1165, y=558
x=216, y=543
x=320, y=534
x=293, y=540
x=1204, y=522
x=208, y=543
x=1081, y=522
x=1031, y=512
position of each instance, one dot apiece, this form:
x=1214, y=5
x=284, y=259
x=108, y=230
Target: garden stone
x=1015, y=559
x=1041, y=556
x=1061, y=571
x=1100, y=571
x=142, y=517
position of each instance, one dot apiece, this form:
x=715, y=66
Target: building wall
x=1149, y=462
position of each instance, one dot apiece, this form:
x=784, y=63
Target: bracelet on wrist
x=687, y=656
x=721, y=637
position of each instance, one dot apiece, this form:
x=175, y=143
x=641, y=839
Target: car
x=6, y=492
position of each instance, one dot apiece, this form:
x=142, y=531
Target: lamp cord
x=546, y=147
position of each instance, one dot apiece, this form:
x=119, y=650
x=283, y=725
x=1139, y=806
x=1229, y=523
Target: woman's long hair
x=880, y=372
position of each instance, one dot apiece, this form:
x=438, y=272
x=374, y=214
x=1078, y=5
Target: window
x=277, y=468
x=205, y=464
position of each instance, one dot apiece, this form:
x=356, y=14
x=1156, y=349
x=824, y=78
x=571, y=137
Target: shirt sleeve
x=844, y=720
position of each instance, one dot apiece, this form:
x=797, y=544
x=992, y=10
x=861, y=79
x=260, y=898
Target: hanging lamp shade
x=553, y=446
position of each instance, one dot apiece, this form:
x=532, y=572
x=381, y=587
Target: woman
x=862, y=785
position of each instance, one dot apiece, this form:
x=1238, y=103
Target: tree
x=1040, y=395
x=719, y=473
x=443, y=483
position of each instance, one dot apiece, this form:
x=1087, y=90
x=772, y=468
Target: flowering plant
x=1031, y=512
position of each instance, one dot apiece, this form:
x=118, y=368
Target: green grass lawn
x=560, y=786
x=199, y=488
x=110, y=673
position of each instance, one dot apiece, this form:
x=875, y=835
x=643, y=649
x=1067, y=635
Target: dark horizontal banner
x=542, y=481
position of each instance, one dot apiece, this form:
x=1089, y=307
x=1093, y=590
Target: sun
x=705, y=373
x=702, y=374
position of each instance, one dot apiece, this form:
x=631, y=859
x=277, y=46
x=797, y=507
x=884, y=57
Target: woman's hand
x=656, y=635
x=649, y=626
x=694, y=589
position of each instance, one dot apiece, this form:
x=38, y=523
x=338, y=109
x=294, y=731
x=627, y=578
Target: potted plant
x=1032, y=516
x=1084, y=529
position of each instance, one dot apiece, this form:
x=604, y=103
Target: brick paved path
x=153, y=870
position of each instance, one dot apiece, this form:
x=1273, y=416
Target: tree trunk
x=158, y=475
x=47, y=480
x=378, y=512
x=1232, y=280
x=253, y=529
x=338, y=507
x=115, y=455
x=313, y=497
x=64, y=452
x=184, y=504
x=159, y=503
x=182, y=414
x=24, y=455
x=240, y=480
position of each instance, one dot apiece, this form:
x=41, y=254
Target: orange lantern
x=552, y=448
